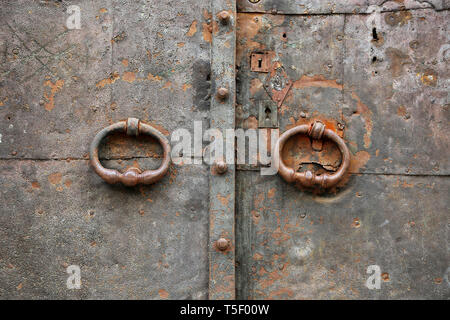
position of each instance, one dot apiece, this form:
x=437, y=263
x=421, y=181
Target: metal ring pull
x=308, y=179
x=132, y=176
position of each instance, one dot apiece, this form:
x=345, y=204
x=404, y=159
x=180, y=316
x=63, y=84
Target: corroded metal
x=132, y=176
x=308, y=179
x=222, y=196
x=220, y=166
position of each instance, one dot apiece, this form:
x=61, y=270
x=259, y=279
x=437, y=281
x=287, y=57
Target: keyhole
x=268, y=112
x=259, y=63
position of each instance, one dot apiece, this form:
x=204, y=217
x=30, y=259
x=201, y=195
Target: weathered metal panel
x=387, y=109
x=58, y=88
x=222, y=184
x=296, y=245
x=392, y=112
x=129, y=59
x=335, y=6
x=130, y=243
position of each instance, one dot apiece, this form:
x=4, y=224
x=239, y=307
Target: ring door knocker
x=316, y=131
x=132, y=176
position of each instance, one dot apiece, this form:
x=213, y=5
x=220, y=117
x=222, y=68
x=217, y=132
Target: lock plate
x=259, y=62
x=268, y=114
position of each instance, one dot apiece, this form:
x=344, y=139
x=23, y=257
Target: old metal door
x=376, y=73
x=60, y=85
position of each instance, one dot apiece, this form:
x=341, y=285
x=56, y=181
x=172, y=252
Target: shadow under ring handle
x=308, y=179
x=132, y=176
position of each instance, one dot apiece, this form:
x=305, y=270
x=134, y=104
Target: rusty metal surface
x=387, y=109
x=58, y=88
x=129, y=59
x=381, y=84
x=296, y=245
x=130, y=243
x=222, y=183
x=335, y=6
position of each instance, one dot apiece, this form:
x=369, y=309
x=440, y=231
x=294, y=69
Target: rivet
x=222, y=244
x=254, y=1
x=221, y=167
x=302, y=114
x=222, y=93
x=224, y=16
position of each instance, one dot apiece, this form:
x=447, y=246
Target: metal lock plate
x=259, y=62
x=268, y=114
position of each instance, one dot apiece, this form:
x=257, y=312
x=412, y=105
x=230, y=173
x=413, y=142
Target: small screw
x=222, y=244
x=222, y=93
x=303, y=215
x=224, y=16
x=221, y=167
x=341, y=126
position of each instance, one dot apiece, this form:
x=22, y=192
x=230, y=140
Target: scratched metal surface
x=335, y=6
x=394, y=109
x=58, y=88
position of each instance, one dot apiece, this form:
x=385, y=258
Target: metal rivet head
x=222, y=93
x=254, y=1
x=224, y=16
x=221, y=167
x=222, y=244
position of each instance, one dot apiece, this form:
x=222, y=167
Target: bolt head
x=224, y=16
x=222, y=244
x=222, y=93
x=221, y=167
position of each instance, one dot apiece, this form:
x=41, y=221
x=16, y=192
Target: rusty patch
x=318, y=81
x=429, y=78
x=399, y=18
x=192, y=29
x=50, y=97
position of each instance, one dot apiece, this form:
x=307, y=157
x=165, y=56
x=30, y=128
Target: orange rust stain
x=255, y=86
x=271, y=193
x=385, y=277
x=54, y=88
x=356, y=223
x=110, y=80
x=207, y=32
x=167, y=85
x=186, y=86
x=364, y=110
x=163, y=294
x=223, y=200
x=35, y=185
x=429, y=78
x=19, y=287
x=153, y=78
x=192, y=29
x=129, y=77
x=316, y=81
x=257, y=256
x=125, y=62
x=68, y=183
x=180, y=44
x=248, y=28
x=358, y=161
x=401, y=111
x=281, y=292
x=55, y=178
x=103, y=10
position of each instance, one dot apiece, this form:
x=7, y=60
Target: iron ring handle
x=132, y=176
x=308, y=179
